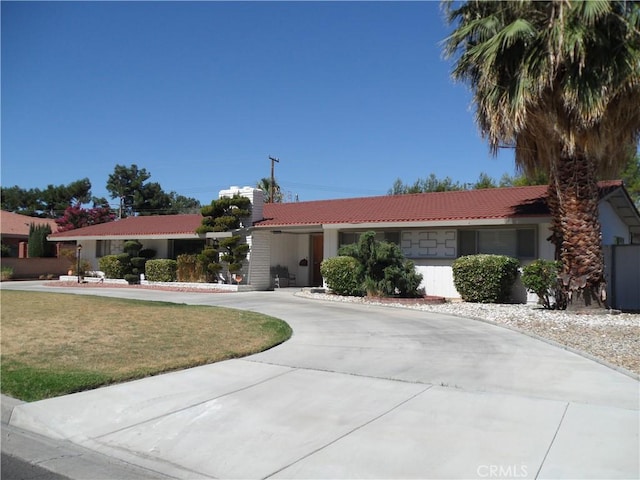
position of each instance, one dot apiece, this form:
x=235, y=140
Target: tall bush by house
x=233, y=254
x=343, y=275
x=161, y=270
x=485, y=278
x=38, y=245
x=223, y=215
x=383, y=269
x=541, y=277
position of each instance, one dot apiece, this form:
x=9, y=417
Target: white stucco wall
x=546, y=250
x=612, y=225
x=88, y=253
x=331, y=242
x=437, y=279
x=284, y=249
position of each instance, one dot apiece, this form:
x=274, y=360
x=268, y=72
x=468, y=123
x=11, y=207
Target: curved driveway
x=361, y=391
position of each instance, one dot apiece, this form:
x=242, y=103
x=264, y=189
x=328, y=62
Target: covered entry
x=299, y=253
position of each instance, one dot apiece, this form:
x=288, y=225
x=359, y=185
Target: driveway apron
x=360, y=392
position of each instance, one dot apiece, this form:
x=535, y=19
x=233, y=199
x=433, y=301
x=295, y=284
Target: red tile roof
x=494, y=203
x=16, y=225
x=134, y=227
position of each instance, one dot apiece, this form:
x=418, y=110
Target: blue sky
x=349, y=96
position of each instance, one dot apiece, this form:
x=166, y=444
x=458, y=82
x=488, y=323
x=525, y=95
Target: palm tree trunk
x=576, y=229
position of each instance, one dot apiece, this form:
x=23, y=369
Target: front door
x=317, y=251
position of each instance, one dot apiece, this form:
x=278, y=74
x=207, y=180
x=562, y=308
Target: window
x=513, y=242
x=103, y=248
x=348, y=238
x=187, y=247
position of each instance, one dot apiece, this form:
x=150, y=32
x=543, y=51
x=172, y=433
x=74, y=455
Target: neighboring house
x=14, y=230
x=432, y=229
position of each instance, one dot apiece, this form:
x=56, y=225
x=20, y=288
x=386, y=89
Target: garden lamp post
x=79, y=248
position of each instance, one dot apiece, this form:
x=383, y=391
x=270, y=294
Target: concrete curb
x=62, y=458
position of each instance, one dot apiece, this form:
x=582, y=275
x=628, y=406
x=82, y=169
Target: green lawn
x=53, y=344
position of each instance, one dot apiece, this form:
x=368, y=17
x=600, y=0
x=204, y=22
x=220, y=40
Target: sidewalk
x=360, y=391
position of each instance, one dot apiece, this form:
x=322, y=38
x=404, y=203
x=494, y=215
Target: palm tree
x=558, y=81
x=265, y=185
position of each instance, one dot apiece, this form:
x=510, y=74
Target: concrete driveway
x=361, y=392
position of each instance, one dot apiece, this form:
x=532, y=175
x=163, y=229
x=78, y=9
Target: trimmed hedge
x=485, y=278
x=161, y=270
x=343, y=275
x=111, y=266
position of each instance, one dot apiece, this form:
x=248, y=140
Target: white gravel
x=608, y=336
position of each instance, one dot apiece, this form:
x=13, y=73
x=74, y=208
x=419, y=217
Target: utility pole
x=273, y=179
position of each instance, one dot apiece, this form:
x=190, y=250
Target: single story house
x=14, y=231
x=432, y=229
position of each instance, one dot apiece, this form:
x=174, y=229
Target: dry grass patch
x=109, y=340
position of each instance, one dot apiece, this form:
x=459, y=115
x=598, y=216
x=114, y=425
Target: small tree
x=77, y=217
x=224, y=214
x=541, y=278
x=39, y=246
x=233, y=253
x=209, y=261
x=383, y=268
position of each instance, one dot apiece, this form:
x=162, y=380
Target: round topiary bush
x=132, y=278
x=485, y=278
x=343, y=275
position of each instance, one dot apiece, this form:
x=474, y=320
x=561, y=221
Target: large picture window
x=103, y=248
x=512, y=242
x=347, y=238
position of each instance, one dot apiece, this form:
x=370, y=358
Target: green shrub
x=132, y=278
x=343, y=275
x=401, y=280
x=161, y=270
x=384, y=270
x=138, y=262
x=124, y=258
x=541, y=278
x=5, y=250
x=147, y=253
x=132, y=247
x=485, y=278
x=111, y=266
x=38, y=245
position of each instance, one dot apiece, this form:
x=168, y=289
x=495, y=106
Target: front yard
x=54, y=344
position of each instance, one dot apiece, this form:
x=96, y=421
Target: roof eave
x=162, y=236
x=462, y=222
